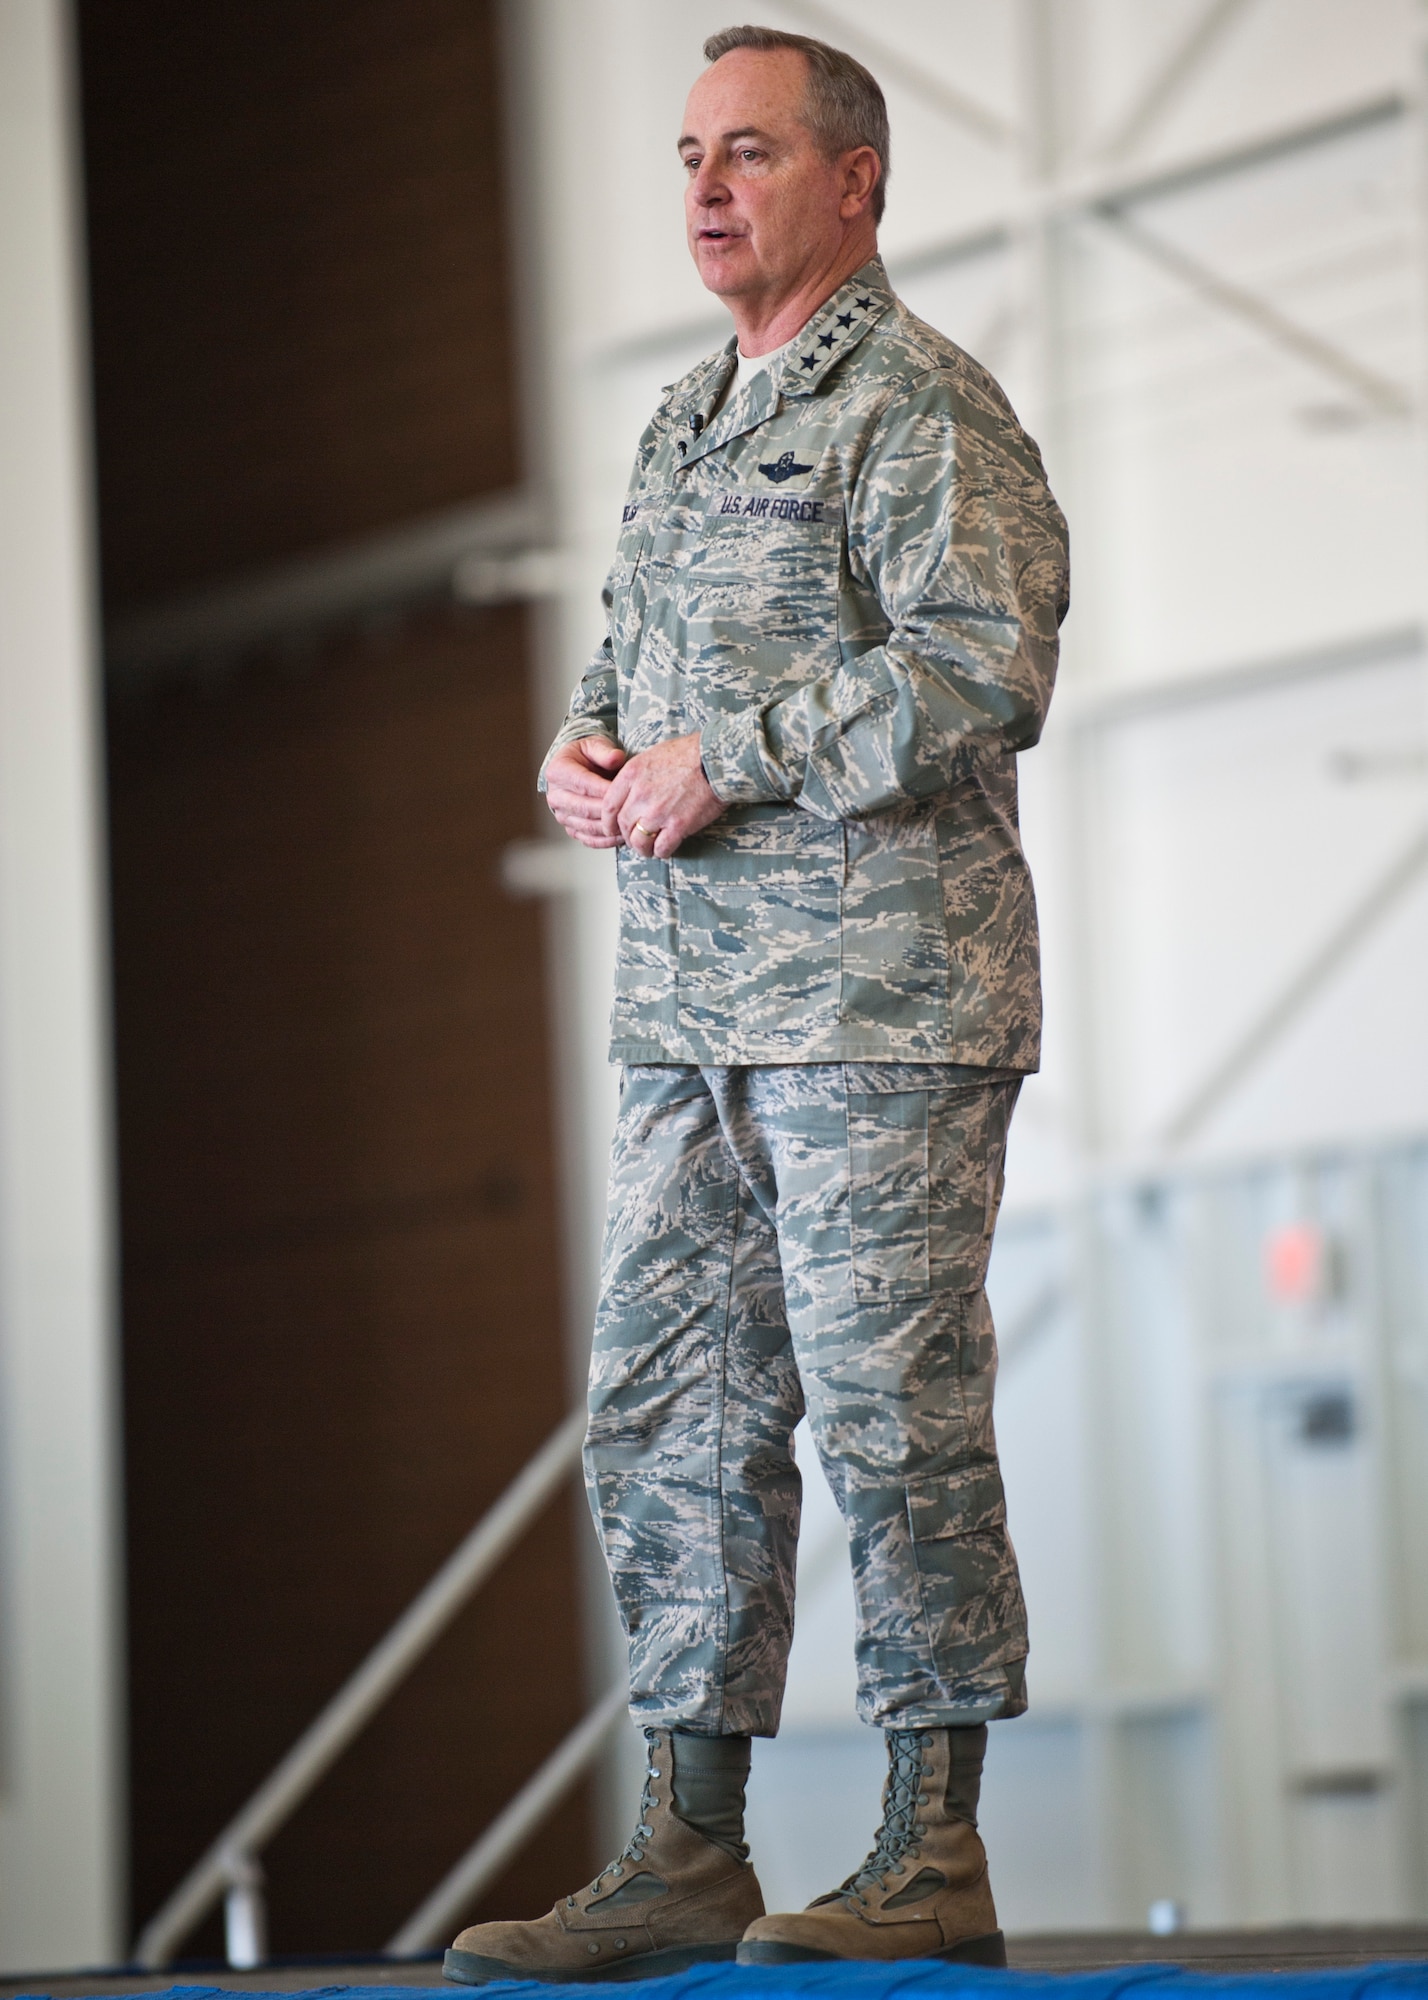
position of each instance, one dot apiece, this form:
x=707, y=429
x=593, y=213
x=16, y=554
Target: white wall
x=1236, y=762
x=60, y=1860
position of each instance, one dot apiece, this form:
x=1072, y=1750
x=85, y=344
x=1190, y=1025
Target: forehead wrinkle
x=727, y=138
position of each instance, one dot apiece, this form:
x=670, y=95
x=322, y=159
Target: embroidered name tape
x=799, y=507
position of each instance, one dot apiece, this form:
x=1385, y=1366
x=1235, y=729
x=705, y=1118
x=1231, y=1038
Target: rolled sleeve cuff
x=737, y=764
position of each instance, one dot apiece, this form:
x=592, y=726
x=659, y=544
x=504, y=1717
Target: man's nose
x=708, y=189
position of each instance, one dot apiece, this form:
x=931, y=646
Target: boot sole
x=988, y=1950
x=468, y=1968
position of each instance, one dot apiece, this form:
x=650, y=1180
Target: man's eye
x=750, y=153
x=691, y=162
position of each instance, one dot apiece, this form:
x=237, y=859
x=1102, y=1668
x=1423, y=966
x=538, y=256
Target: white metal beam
x=1066, y=195
x=1419, y=136
x=1383, y=395
x=1175, y=74
x=888, y=63
x=1296, y=993
x=1078, y=189
x=998, y=331
x=480, y=554
x=1243, y=677
x=1037, y=236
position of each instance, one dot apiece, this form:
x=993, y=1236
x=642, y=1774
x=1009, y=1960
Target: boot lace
x=633, y=1849
x=899, y=1836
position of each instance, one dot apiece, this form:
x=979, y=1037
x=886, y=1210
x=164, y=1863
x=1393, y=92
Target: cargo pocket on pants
x=889, y=1220
x=967, y=1574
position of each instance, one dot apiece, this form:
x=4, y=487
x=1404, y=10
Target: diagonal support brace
x=1172, y=78
x=1295, y=995
x=969, y=112
x=1383, y=395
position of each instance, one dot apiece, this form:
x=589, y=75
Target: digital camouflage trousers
x=779, y=1238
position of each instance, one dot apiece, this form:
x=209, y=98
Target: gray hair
x=844, y=108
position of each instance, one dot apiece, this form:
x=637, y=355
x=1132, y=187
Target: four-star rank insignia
x=784, y=467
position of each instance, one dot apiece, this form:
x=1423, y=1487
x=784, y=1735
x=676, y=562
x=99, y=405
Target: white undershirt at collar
x=746, y=367
x=750, y=364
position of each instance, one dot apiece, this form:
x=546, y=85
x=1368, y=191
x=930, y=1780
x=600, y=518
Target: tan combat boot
x=923, y=1891
x=672, y=1899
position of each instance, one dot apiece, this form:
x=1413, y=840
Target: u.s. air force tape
x=805, y=509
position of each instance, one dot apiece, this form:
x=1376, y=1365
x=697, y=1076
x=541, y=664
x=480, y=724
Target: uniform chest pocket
x=766, y=567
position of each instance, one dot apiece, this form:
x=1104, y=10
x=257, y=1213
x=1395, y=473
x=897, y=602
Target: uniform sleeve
x=594, y=706
x=951, y=524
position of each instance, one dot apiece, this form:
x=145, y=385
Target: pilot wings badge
x=785, y=467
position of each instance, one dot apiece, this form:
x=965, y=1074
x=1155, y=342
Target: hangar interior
x=329, y=334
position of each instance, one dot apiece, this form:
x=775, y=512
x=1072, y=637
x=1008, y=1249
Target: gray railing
x=231, y=1872
x=507, y=1834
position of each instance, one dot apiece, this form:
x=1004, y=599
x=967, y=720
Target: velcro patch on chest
x=799, y=509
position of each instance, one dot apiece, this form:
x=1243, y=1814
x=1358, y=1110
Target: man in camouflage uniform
x=833, y=623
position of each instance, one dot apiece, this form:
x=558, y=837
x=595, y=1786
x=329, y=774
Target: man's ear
x=862, y=170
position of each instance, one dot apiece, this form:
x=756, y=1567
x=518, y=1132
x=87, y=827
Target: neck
x=765, y=323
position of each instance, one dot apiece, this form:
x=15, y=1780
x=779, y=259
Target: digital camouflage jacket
x=850, y=582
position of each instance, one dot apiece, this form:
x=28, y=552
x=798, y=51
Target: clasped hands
x=649, y=802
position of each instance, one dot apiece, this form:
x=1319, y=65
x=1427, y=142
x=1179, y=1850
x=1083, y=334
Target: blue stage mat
x=918, y=1980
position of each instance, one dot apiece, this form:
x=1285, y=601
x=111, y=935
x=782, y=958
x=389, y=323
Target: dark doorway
x=342, y=1312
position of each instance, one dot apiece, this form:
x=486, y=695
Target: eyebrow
x=741, y=132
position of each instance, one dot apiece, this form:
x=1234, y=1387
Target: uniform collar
x=838, y=324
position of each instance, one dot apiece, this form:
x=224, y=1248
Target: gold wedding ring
x=651, y=831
